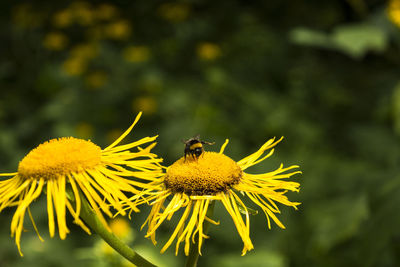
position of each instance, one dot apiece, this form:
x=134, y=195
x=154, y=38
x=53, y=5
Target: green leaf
x=243, y=209
x=357, y=39
x=354, y=40
x=308, y=37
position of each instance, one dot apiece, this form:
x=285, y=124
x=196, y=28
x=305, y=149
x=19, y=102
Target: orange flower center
x=59, y=157
x=209, y=174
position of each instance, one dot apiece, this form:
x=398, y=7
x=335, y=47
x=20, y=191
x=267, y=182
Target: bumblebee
x=194, y=147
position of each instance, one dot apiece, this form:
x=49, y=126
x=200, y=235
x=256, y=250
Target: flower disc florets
x=208, y=174
x=61, y=156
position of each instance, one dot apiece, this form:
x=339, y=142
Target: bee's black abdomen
x=197, y=151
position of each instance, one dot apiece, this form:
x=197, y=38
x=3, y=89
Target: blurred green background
x=324, y=74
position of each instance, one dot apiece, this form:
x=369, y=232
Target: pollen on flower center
x=207, y=175
x=61, y=156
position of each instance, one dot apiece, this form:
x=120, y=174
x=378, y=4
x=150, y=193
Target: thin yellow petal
x=178, y=228
x=77, y=220
x=186, y=234
x=59, y=204
x=77, y=197
x=221, y=151
x=50, y=210
x=9, y=174
x=116, y=142
x=34, y=225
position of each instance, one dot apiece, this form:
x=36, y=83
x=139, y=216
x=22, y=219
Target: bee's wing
x=208, y=143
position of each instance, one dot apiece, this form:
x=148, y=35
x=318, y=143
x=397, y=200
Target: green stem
x=194, y=251
x=91, y=219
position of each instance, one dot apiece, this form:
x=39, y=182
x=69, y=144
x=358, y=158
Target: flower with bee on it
x=201, y=177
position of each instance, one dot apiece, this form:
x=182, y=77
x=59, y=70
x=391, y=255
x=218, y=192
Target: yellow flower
x=96, y=79
x=121, y=228
x=145, y=103
x=79, y=58
x=193, y=183
x=106, y=11
x=85, y=50
x=82, y=12
x=97, y=174
x=208, y=51
x=393, y=11
x=55, y=41
x=136, y=53
x=63, y=18
x=174, y=12
x=75, y=66
x=118, y=30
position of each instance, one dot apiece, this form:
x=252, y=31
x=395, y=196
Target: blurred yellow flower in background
x=63, y=18
x=174, y=12
x=55, y=41
x=79, y=57
x=82, y=12
x=121, y=228
x=74, y=66
x=146, y=104
x=85, y=50
x=393, y=11
x=105, y=11
x=118, y=30
x=96, y=79
x=136, y=53
x=208, y=51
